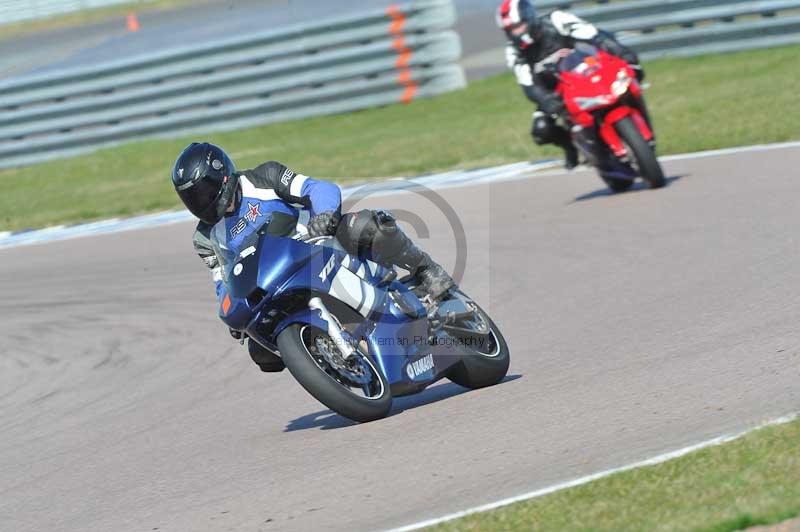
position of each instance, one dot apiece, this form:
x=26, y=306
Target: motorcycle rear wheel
x=646, y=160
x=301, y=349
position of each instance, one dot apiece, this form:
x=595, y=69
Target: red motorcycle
x=607, y=115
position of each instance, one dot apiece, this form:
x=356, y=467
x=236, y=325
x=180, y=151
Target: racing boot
x=433, y=279
x=570, y=156
x=564, y=141
x=394, y=248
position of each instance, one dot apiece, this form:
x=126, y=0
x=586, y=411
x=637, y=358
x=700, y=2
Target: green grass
x=751, y=481
x=697, y=104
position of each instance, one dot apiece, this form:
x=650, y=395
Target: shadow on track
x=639, y=186
x=328, y=419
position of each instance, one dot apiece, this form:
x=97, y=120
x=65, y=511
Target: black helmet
x=203, y=178
x=519, y=20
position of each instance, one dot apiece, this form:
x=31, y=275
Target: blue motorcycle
x=351, y=333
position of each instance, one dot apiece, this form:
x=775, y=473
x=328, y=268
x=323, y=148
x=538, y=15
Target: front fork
x=334, y=329
x=608, y=132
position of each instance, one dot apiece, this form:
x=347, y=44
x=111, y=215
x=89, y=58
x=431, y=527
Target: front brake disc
x=354, y=369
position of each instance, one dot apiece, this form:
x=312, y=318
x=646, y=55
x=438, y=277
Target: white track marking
x=508, y=172
x=730, y=151
x=596, y=476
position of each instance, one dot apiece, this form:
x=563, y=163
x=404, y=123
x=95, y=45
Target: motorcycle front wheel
x=486, y=357
x=617, y=185
x=354, y=388
x=644, y=155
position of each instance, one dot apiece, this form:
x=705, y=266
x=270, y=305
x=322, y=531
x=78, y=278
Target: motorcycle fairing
x=395, y=339
x=396, y=327
x=586, y=76
x=589, y=79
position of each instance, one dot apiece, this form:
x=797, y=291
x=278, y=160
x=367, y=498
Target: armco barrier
x=376, y=58
x=658, y=28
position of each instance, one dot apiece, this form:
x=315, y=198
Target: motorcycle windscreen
x=581, y=60
x=238, y=259
x=238, y=252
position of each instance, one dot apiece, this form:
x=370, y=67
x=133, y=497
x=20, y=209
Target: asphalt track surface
x=638, y=323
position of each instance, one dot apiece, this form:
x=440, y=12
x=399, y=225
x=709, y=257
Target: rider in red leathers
x=531, y=41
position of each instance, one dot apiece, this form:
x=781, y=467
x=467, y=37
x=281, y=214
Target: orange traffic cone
x=133, y=22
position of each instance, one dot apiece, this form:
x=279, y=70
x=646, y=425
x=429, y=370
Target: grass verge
x=751, y=481
x=697, y=104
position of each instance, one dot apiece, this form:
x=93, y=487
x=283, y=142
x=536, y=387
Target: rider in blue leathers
x=207, y=182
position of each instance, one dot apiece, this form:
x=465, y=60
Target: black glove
x=639, y=71
x=546, y=75
x=323, y=224
x=552, y=105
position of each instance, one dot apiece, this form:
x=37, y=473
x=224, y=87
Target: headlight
x=623, y=83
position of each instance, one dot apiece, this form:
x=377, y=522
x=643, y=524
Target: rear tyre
x=643, y=153
x=486, y=364
x=355, y=389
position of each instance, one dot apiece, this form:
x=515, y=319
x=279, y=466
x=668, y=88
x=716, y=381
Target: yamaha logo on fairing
x=418, y=367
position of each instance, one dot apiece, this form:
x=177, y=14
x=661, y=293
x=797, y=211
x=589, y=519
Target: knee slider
x=371, y=234
x=389, y=241
x=356, y=231
x=542, y=130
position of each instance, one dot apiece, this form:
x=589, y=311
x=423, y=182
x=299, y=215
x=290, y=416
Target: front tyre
x=642, y=152
x=353, y=388
x=617, y=185
x=486, y=362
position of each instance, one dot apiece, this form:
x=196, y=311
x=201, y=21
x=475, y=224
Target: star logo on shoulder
x=253, y=212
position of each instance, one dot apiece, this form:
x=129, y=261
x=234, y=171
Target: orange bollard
x=132, y=22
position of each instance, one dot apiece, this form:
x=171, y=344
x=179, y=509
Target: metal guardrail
x=376, y=58
x=658, y=28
